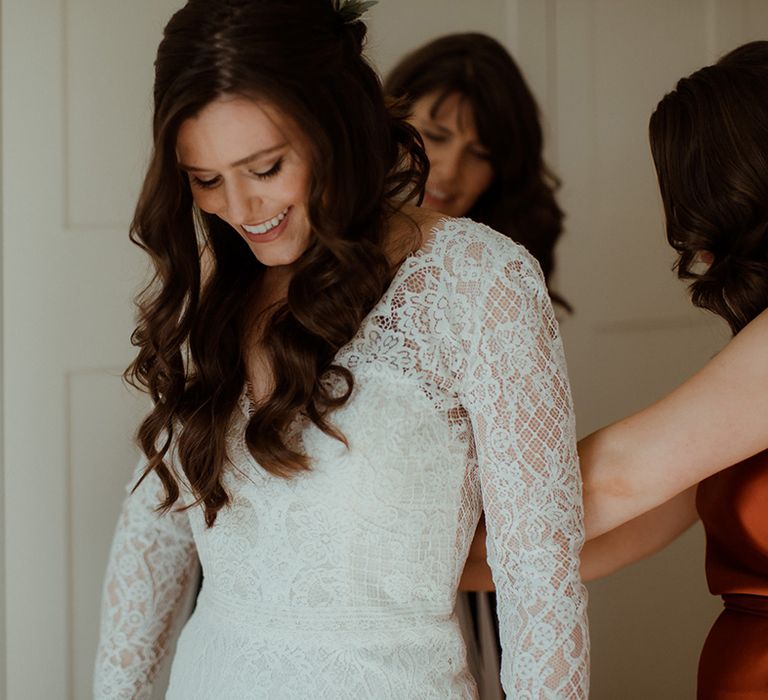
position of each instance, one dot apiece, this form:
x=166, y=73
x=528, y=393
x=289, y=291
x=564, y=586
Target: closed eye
x=432, y=136
x=274, y=170
x=204, y=184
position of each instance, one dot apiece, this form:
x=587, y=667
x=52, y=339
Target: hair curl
x=709, y=141
x=520, y=202
x=304, y=58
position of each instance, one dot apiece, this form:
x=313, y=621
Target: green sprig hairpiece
x=352, y=10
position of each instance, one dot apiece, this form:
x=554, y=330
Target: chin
x=277, y=258
x=275, y=261
x=454, y=212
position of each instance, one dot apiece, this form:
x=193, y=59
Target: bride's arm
x=604, y=555
x=151, y=564
x=515, y=391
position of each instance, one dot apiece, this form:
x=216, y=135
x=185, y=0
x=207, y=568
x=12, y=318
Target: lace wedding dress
x=341, y=582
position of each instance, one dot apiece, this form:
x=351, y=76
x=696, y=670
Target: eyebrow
x=434, y=124
x=238, y=163
x=446, y=130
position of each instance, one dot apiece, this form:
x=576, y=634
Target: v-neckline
x=246, y=403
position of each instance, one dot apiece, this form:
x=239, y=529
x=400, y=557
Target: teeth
x=266, y=226
x=437, y=194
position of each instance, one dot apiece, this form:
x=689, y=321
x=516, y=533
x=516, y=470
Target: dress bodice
x=341, y=581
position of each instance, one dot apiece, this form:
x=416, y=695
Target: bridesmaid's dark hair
x=520, y=202
x=304, y=58
x=709, y=140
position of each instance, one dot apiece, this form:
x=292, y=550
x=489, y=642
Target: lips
x=437, y=194
x=266, y=226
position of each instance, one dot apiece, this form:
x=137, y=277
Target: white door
x=76, y=90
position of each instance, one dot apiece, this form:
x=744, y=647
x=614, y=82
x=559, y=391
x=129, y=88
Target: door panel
x=76, y=98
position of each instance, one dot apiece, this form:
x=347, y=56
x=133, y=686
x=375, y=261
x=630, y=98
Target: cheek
x=429, y=148
x=300, y=186
x=206, y=201
x=478, y=178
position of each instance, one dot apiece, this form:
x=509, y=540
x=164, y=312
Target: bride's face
x=249, y=165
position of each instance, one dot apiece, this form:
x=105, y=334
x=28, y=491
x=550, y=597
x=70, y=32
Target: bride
x=350, y=382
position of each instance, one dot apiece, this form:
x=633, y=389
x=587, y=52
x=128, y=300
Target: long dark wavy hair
x=709, y=140
x=520, y=202
x=304, y=57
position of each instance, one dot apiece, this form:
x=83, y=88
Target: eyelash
x=274, y=170
x=204, y=184
x=442, y=139
x=433, y=137
x=210, y=184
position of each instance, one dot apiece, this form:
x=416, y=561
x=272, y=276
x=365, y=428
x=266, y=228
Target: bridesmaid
x=702, y=451
x=481, y=131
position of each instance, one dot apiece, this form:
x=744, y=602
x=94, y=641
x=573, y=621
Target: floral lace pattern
x=341, y=582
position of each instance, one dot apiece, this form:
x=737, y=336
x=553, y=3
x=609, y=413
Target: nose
x=241, y=204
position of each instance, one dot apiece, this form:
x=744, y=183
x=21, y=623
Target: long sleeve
x=151, y=562
x=516, y=393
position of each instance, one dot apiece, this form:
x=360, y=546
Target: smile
x=266, y=226
x=437, y=194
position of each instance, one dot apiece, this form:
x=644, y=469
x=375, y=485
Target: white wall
x=598, y=68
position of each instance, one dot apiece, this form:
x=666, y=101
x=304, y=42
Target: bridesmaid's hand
x=477, y=573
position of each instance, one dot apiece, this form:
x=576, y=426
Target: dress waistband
x=338, y=618
x=748, y=603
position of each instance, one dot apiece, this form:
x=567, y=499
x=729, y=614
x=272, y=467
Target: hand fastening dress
x=341, y=582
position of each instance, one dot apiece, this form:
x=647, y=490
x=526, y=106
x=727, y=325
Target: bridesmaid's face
x=460, y=165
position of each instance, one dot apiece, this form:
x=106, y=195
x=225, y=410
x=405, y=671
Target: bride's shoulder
x=470, y=245
x=469, y=253
x=426, y=230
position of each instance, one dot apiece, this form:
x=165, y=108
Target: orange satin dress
x=733, y=506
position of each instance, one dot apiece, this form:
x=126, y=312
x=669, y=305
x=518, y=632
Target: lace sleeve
x=516, y=392
x=150, y=564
